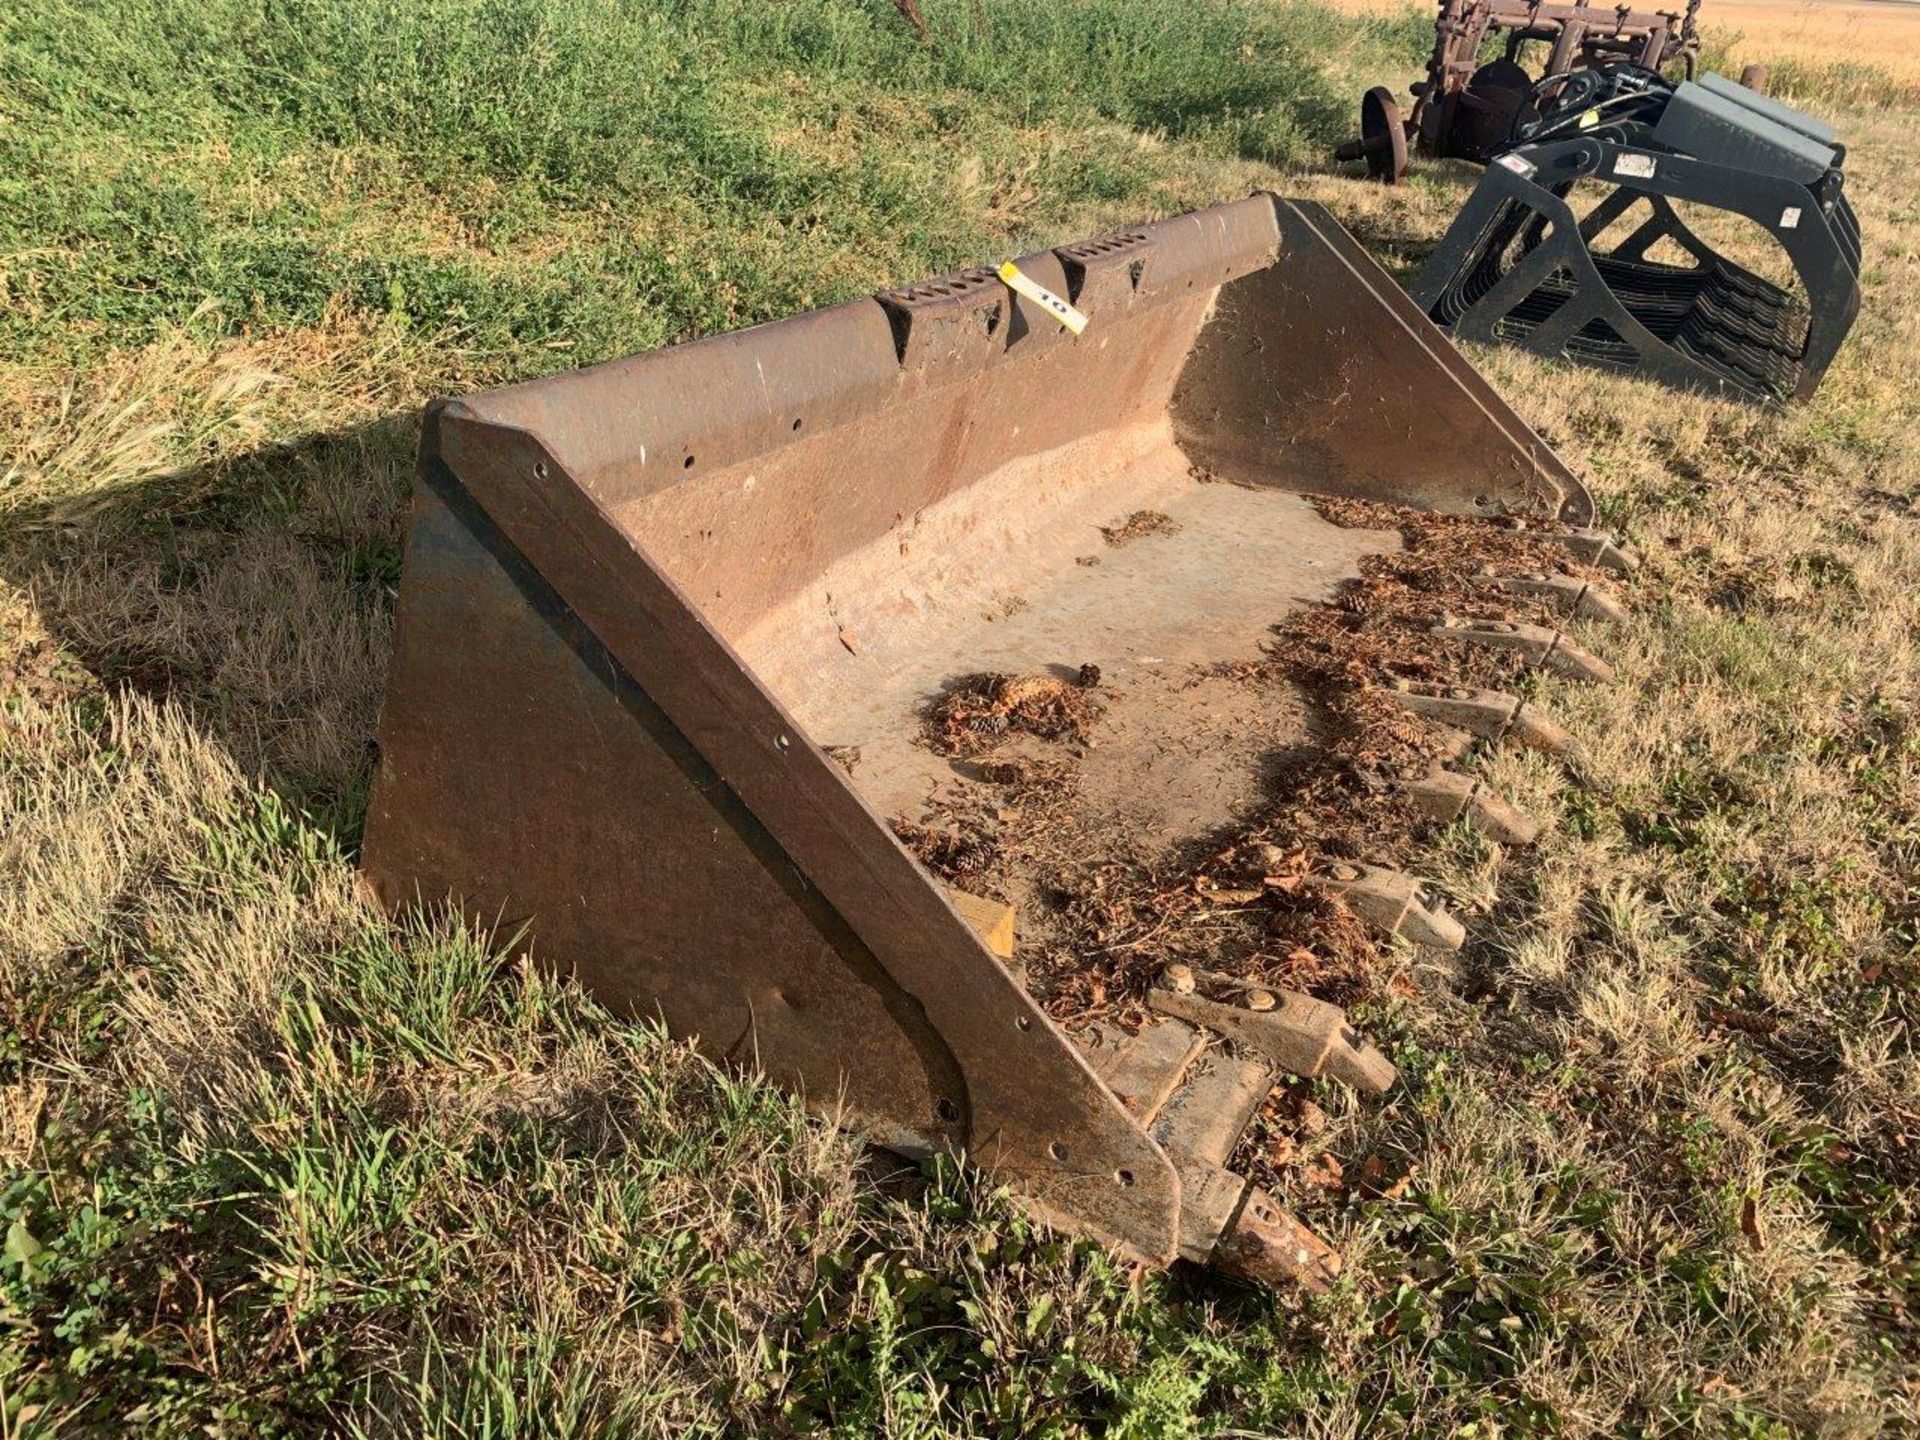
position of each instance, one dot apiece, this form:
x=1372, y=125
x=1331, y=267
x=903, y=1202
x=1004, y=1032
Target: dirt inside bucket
x=979, y=712
x=1104, y=902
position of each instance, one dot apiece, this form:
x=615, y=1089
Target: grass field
x=276, y=1166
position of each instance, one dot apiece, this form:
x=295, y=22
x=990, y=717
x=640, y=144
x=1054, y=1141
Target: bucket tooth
x=1207, y=1114
x=1233, y=1225
x=1301, y=1035
x=1540, y=647
x=1535, y=730
x=1198, y=1099
x=1394, y=903
x=1225, y=1221
x=1265, y=1243
x=1567, y=593
x=1143, y=1068
x=1444, y=796
x=1490, y=714
x=1596, y=547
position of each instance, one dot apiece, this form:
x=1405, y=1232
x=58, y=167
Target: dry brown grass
x=1663, y=1115
x=247, y=972
x=1881, y=33
x=1698, y=993
x=80, y=441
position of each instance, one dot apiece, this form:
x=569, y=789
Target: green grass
x=299, y=1226
x=691, y=166
x=330, y=1174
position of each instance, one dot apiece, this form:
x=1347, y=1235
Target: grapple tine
x=1521, y=265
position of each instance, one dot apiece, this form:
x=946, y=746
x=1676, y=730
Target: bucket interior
x=1102, y=506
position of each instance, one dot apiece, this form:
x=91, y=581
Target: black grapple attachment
x=1524, y=265
x=1481, y=75
x=668, y=630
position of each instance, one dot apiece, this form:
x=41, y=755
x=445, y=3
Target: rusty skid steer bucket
x=669, y=628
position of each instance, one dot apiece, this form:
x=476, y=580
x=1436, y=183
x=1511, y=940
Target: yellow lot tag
x=1022, y=284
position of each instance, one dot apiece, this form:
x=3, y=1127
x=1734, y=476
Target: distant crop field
x=1882, y=33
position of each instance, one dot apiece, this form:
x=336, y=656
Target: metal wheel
x=1383, y=136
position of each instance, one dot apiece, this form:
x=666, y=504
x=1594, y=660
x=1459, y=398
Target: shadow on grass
x=257, y=593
